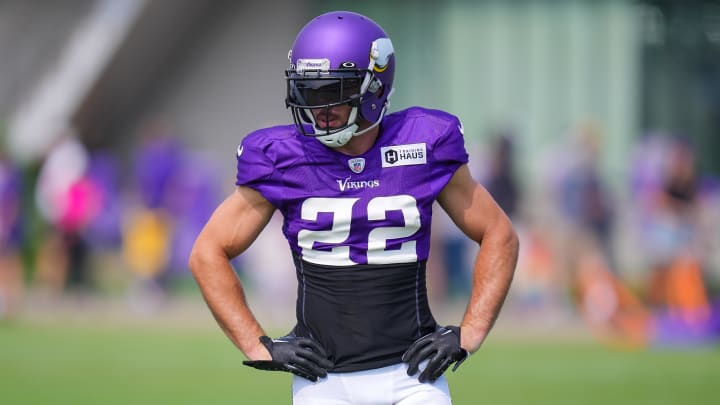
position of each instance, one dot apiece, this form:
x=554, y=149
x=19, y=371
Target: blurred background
x=594, y=124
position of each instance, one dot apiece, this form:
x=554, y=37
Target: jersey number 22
x=341, y=209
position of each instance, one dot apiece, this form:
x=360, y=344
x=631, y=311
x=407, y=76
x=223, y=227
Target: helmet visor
x=323, y=89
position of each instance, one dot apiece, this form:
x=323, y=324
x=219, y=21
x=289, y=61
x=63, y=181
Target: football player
x=355, y=185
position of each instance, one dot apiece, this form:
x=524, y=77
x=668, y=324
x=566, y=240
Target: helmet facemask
x=309, y=90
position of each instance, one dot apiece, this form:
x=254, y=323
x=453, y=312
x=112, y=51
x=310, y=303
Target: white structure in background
x=46, y=112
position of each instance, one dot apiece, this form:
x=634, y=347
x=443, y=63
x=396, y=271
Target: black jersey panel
x=365, y=316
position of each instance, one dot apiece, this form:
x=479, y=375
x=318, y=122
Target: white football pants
x=388, y=385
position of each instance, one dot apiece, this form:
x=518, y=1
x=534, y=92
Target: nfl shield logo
x=357, y=165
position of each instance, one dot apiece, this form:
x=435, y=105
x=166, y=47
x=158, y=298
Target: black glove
x=298, y=355
x=441, y=348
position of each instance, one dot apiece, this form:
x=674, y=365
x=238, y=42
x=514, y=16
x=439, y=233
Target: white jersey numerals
x=341, y=210
x=377, y=207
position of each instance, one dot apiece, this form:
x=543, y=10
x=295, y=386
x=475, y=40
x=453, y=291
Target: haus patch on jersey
x=404, y=155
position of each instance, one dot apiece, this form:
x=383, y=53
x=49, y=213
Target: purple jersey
x=370, y=209
x=359, y=229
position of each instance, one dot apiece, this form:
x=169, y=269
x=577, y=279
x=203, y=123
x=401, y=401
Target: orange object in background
x=684, y=292
x=612, y=311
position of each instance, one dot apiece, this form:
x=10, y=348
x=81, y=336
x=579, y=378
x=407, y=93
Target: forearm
x=492, y=274
x=224, y=295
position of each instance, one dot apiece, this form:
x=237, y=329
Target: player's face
x=332, y=117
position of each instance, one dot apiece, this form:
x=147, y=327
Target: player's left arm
x=477, y=214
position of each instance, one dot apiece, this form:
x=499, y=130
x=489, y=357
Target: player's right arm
x=231, y=229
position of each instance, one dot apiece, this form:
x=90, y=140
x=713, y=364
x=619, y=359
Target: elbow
x=195, y=259
x=205, y=256
x=510, y=235
x=200, y=258
x=514, y=242
x=501, y=234
x=504, y=238
x=511, y=242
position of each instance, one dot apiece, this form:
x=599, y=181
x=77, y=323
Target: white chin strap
x=339, y=138
x=342, y=137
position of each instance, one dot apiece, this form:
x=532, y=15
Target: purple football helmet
x=340, y=58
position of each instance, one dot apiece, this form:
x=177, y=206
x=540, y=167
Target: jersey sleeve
x=255, y=169
x=448, y=153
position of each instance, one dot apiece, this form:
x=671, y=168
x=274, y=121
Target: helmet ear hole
x=374, y=86
x=380, y=92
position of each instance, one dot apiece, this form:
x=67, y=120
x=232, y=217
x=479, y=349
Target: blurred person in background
x=501, y=181
x=174, y=191
x=68, y=200
x=11, y=270
x=568, y=228
x=149, y=225
x=192, y=195
x=585, y=200
x=356, y=189
x=103, y=232
x=709, y=221
x=676, y=280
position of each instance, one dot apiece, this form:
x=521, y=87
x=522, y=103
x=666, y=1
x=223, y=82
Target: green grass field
x=58, y=362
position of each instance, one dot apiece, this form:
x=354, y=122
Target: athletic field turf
x=53, y=361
